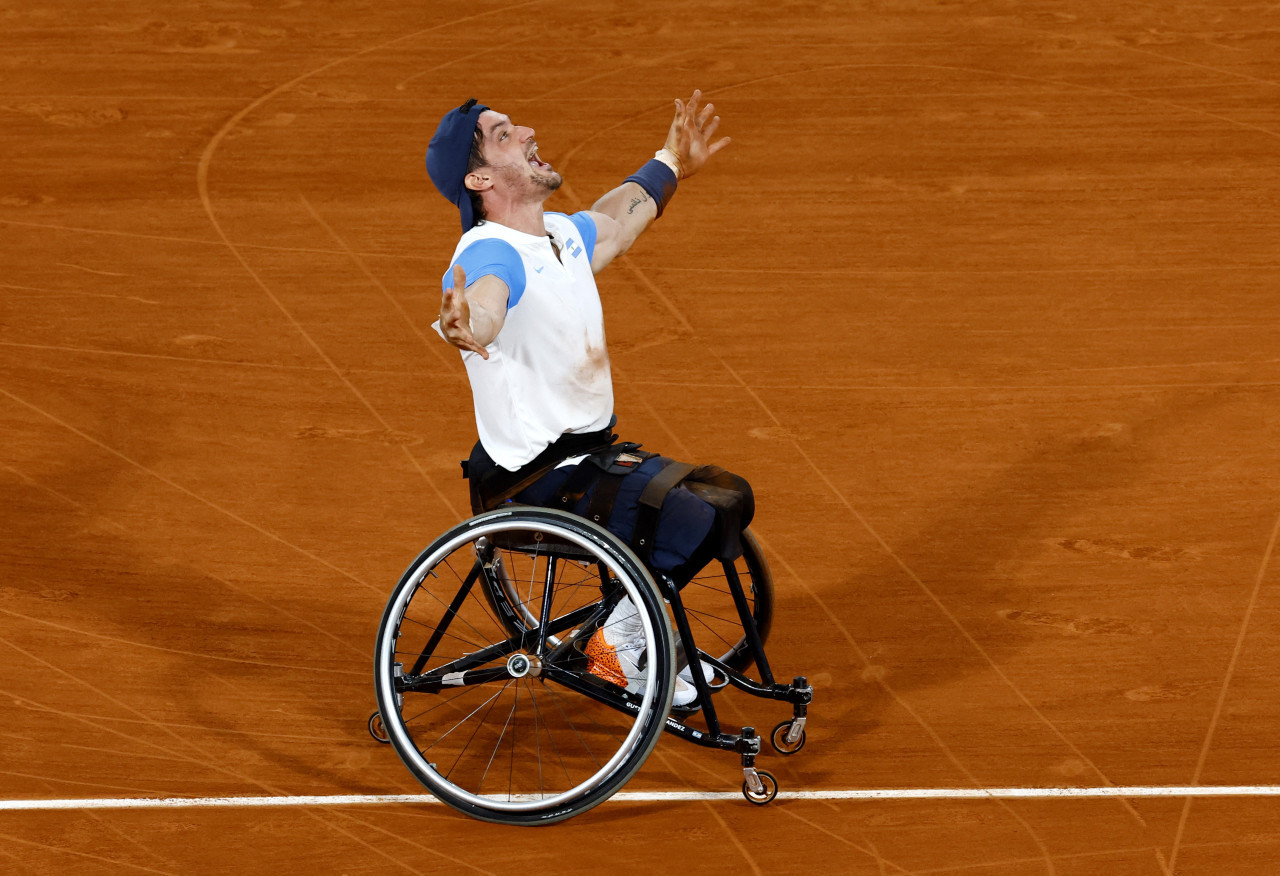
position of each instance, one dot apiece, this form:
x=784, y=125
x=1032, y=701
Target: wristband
x=658, y=179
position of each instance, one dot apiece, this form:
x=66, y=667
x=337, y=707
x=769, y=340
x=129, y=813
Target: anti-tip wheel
x=778, y=738
x=770, y=789
x=378, y=730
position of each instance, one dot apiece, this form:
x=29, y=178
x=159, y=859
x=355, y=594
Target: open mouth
x=536, y=162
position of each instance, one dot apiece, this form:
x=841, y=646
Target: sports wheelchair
x=482, y=683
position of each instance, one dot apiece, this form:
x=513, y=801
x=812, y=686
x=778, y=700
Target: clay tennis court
x=982, y=300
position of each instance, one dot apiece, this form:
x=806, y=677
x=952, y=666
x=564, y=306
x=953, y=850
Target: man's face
x=512, y=151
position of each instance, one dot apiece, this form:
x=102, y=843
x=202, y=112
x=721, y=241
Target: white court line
x=665, y=797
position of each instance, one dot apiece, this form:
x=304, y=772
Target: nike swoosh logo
x=537, y=270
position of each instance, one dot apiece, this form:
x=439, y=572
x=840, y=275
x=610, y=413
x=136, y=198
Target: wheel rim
x=770, y=786
x=779, y=739
x=455, y=740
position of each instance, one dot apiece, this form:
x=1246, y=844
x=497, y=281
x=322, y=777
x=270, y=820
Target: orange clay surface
x=982, y=299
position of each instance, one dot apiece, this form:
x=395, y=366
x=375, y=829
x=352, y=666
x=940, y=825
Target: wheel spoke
x=459, y=695
x=465, y=717
x=498, y=745
x=537, y=742
x=697, y=616
x=492, y=701
x=574, y=728
x=569, y=741
x=511, y=769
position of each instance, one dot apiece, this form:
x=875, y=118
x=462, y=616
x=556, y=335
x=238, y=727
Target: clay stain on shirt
x=594, y=367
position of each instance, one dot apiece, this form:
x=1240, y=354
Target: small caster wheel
x=779, y=738
x=766, y=794
x=378, y=730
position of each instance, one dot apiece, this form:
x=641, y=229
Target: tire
x=770, y=785
x=778, y=739
x=712, y=615
x=495, y=718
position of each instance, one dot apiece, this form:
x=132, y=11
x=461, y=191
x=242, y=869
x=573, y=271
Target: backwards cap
x=447, y=155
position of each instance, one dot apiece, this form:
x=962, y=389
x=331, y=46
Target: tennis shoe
x=614, y=652
x=708, y=674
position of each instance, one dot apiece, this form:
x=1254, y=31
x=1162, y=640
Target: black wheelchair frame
x=584, y=572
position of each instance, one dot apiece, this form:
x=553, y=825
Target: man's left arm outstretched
x=624, y=213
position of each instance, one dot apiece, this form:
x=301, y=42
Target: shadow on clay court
x=968, y=556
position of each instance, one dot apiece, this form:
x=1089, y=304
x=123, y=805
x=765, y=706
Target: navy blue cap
x=447, y=155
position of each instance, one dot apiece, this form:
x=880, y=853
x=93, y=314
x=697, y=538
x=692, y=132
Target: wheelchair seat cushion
x=664, y=509
x=684, y=522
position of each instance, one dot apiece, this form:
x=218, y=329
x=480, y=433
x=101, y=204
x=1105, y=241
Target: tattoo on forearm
x=637, y=201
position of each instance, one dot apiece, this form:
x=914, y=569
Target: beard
x=550, y=182
x=517, y=177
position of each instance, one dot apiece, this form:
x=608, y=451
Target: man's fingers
x=467, y=342
x=458, y=332
x=455, y=315
x=692, y=129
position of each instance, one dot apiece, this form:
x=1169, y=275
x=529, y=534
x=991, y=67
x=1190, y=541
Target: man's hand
x=690, y=135
x=455, y=315
x=623, y=214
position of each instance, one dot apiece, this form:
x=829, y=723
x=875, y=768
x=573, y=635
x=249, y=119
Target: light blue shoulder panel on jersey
x=491, y=256
x=586, y=229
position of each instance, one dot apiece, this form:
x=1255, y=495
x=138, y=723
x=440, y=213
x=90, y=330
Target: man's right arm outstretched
x=471, y=318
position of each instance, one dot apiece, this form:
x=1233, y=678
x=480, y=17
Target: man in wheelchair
x=520, y=301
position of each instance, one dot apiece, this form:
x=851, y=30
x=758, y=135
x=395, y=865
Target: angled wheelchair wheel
x=480, y=675
x=712, y=614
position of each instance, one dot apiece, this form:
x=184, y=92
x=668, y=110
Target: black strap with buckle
x=651, y=500
x=491, y=484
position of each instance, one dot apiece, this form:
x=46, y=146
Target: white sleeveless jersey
x=548, y=369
